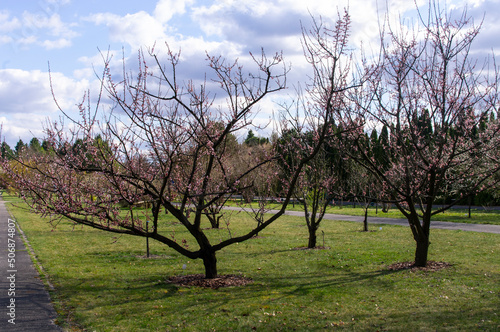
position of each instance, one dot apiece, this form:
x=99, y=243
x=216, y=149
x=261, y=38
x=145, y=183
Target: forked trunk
x=214, y=220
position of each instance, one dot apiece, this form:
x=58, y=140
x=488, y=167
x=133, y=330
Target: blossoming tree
x=327, y=50
x=432, y=96
x=164, y=142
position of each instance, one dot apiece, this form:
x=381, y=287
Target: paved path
x=484, y=228
x=23, y=297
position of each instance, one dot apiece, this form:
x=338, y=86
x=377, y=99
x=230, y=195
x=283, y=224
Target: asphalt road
x=484, y=228
x=25, y=303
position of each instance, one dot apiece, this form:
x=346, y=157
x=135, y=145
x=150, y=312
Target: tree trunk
x=422, y=240
x=365, y=221
x=421, y=235
x=470, y=203
x=421, y=253
x=385, y=207
x=214, y=220
x=312, y=238
x=207, y=254
x=210, y=263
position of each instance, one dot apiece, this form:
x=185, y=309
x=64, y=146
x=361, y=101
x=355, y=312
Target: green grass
x=103, y=283
x=478, y=216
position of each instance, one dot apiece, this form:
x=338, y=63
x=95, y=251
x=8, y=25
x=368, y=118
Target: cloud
x=166, y=9
x=230, y=28
x=56, y=44
x=5, y=39
x=21, y=126
x=52, y=24
x=244, y=21
x=8, y=24
x=41, y=29
x=138, y=29
x=30, y=87
x=487, y=40
x=27, y=100
x=276, y=25
x=141, y=28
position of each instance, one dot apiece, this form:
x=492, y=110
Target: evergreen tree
x=47, y=147
x=35, y=145
x=251, y=139
x=6, y=151
x=19, y=146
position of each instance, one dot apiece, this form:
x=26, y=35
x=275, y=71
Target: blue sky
x=69, y=33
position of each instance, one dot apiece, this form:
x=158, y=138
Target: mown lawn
x=103, y=282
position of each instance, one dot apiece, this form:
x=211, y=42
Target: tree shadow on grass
x=268, y=292
x=144, y=290
x=471, y=318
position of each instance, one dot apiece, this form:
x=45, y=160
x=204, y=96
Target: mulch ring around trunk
x=430, y=267
x=199, y=280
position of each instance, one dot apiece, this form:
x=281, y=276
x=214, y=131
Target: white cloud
x=27, y=100
x=256, y=23
x=29, y=40
x=7, y=23
x=21, y=126
x=36, y=29
x=7, y=26
x=51, y=24
x=84, y=73
x=277, y=24
x=193, y=48
x=93, y=66
x=56, y=44
x=30, y=87
x=5, y=39
x=138, y=29
x=166, y=9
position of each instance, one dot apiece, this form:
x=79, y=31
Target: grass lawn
x=103, y=282
x=478, y=216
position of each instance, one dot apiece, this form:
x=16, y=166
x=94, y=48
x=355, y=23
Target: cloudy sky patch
x=73, y=36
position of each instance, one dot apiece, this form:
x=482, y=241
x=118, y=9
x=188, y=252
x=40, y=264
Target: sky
x=70, y=36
